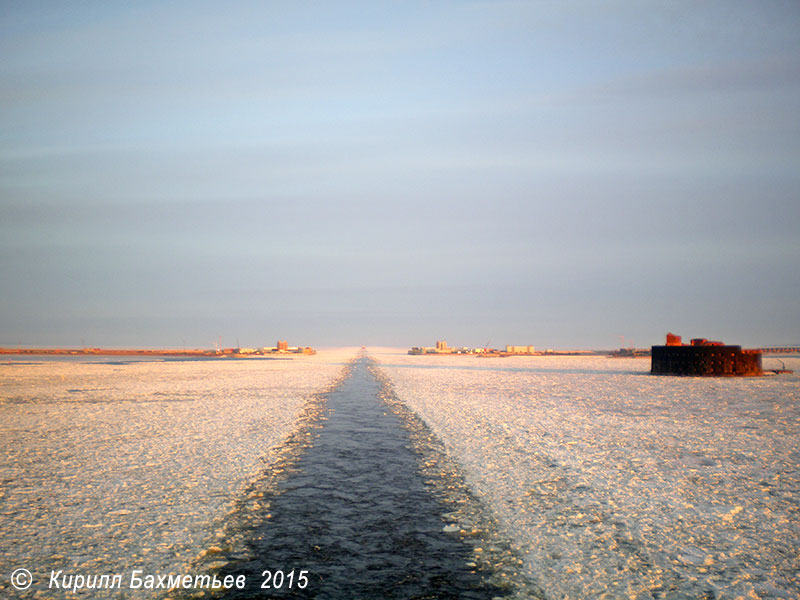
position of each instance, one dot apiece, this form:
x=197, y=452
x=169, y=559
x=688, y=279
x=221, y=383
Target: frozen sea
x=605, y=481
x=613, y=483
x=109, y=465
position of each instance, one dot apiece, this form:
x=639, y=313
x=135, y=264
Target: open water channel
x=351, y=514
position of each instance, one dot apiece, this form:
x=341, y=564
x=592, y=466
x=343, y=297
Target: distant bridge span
x=779, y=350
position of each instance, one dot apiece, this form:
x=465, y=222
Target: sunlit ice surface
x=611, y=482
x=110, y=465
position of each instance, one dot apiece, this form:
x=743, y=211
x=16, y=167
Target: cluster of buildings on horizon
x=443, y=348
x=282, y=347
x=700, y=358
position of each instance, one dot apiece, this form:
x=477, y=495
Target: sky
x=576, y=174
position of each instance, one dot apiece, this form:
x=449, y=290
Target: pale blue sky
x=550, y=173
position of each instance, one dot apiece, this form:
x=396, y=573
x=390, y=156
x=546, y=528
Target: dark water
x=357, y=516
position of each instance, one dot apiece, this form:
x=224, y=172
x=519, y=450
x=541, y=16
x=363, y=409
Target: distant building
x=520, y=349
x=703, y=358
x=441, y=348
x=283, y=346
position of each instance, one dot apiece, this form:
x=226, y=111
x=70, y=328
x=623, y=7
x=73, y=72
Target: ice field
x=111, y=465
x=607, y=481
x=612, y=483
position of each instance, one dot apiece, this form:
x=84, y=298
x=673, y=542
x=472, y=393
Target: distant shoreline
x=227, y=352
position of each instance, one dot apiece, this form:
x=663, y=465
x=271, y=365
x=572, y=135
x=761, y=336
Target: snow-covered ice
x=614, y=483
x=607, y=481
x=110, y=466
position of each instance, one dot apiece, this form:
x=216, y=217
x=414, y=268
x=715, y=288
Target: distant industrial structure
x=442, y=348
x=630, y=353
x=704, y=358
x=282, y=347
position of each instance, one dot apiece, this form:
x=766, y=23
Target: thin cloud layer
x=553, y=174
